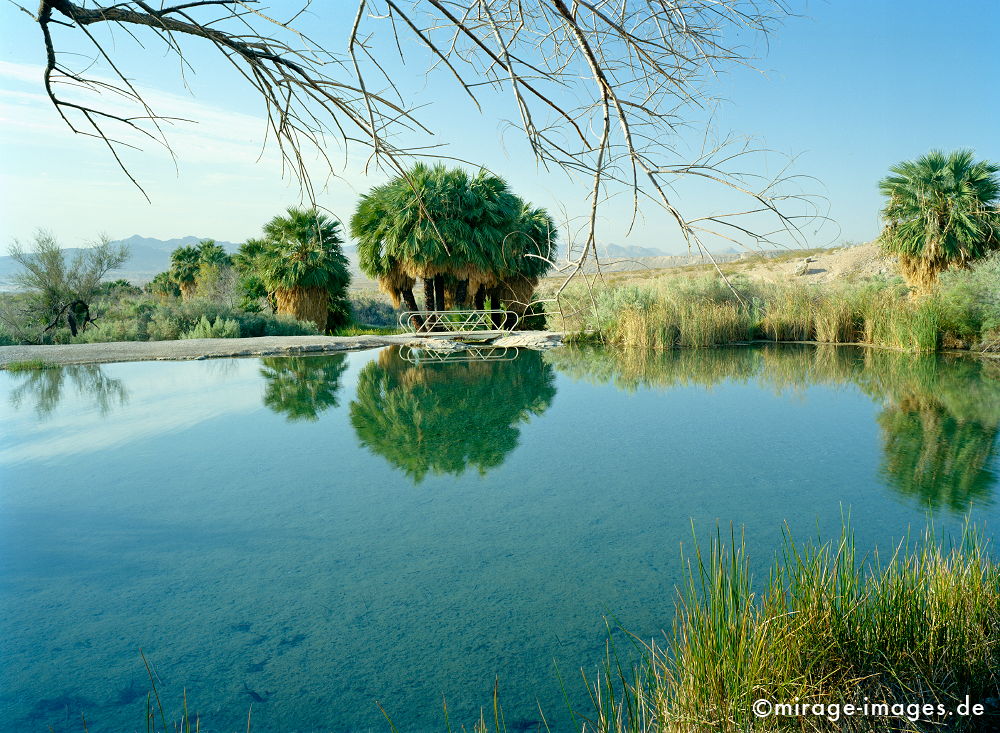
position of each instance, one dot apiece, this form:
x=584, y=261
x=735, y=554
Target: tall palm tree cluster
x=467, y=237
x=941, y=212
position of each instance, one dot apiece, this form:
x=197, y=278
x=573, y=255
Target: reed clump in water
x=675, y=312
x=919, y=627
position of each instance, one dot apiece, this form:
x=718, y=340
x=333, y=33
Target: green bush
x=218, y=329
x=372, y=311
x=969, y=301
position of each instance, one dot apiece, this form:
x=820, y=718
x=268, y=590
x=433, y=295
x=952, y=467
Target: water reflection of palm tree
x=46, y=388
x=936, y=456
x=445, y=417
x=301, y=387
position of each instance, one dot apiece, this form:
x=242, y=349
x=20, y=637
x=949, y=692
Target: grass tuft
x=29, y=365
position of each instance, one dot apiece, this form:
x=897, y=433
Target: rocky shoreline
x=194, y=349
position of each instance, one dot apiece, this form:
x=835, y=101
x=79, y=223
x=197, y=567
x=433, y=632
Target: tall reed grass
x=706, y=312
x=912, y=634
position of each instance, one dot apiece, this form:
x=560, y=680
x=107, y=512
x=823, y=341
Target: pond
x=310, y=535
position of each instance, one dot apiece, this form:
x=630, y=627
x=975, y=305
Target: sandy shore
x=263, y=346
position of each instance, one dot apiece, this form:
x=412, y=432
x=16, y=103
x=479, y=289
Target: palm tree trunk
x=411, y=304
x=305, y=304
x=439, y=291
x=497, y=318
x=187, y=289
x=461, y=294
x=479, y=299
x=429, y=294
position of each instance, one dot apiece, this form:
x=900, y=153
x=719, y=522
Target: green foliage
x=444, y=418
x=969, y=300
x=941, y=211
x=218, y=329
x=705, y=312
x=251, y=288
x=302, y=250
x=371, y=311
x=163, y=285
x=193, y=264
x=184, y=265
x=827, y=627
x=143, y=318
x=210, y=253
x=118, y=287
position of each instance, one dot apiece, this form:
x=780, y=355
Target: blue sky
x=848, y=88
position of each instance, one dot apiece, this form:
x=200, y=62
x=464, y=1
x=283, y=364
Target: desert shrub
x=111, y=330
x=219, y=328
x=373, y=311
x=287, y=326
x=969, y=301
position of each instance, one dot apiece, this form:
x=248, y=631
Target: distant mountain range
x=148, y=257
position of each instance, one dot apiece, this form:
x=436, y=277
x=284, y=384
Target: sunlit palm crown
x=301, y=250
x=942, y=209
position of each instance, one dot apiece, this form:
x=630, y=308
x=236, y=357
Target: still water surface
x=309, y=535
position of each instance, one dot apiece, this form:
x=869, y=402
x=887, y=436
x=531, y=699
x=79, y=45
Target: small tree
x=58, y=291
x=941, y=212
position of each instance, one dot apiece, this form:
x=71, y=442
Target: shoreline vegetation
x=913, y=633
x=963, y=312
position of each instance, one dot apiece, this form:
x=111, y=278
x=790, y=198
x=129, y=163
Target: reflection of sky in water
x=359, y=539
x=170, y=402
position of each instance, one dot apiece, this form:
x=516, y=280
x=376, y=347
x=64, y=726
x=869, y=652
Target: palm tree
x=460, y=234
x=210, y=253
x=185, y=263
x=251, y=287
x=369, y=226
x=941, y=212
x=935, y=456
x=164, y=286
x=302, y=264
x=528, y=251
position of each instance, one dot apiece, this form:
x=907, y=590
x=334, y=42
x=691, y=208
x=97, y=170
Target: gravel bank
x=222, y=348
